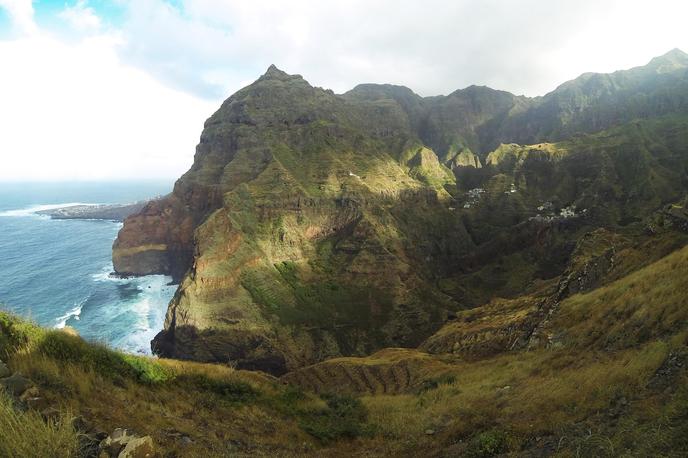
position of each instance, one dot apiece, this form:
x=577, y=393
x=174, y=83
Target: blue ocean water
x=56, y=272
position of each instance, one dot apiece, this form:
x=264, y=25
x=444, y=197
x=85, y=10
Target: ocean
x=57, y=272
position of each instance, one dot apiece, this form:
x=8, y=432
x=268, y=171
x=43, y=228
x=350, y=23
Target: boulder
x=112, y=445
x=16, y=385
x=122, y=443
x=140, y=447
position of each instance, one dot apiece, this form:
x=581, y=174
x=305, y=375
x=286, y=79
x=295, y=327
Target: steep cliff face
x=316, y=249
x=313, y=225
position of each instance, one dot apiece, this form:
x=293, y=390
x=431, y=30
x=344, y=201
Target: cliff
x=313, y=225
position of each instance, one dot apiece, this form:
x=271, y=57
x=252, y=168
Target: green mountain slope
x=314, y=225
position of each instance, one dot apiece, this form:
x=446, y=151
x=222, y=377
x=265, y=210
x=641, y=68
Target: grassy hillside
x=607, y=376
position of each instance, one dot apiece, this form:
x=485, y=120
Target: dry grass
x=28, y=435
x=607, y=346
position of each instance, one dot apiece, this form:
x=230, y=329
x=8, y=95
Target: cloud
x=72, y=110
x=21, y=14
x=81, y=16
x=212, y=47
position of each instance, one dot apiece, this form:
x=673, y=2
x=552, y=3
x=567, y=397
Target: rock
x=140, y=447
x=115, y=443
x=186, y=440
x=16, y=385
x=430, y=432
x=4, y=370
x=30, y=393
x=122, y=443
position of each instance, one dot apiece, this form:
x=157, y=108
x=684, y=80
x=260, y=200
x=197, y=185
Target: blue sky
x=121, y=88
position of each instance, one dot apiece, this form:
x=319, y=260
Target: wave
x=144, y=312
x=73, y=313
x=31, y=211
x=148, y=309
x=107, y=274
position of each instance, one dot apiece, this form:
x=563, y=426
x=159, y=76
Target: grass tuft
x=26, y=434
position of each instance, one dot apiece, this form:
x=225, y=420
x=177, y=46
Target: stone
x=140, y=447
x=116, y=442
x=16, y=385
x=430, y=432
x=4, y=370
x=30, y=393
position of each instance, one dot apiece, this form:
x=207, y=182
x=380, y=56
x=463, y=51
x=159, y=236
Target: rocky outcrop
x=494, y=328
x=157, y=240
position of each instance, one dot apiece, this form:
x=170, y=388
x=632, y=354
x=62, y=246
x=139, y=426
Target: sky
x=112, y=90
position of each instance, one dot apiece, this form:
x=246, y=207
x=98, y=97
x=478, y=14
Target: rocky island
x=110, y=212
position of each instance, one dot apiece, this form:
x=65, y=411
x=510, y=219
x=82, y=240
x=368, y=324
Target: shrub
x=344, y=416
x=487, y=444
x=227, y=390
x=434, y=383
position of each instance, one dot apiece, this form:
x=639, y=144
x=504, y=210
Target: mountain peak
x=274, y=73
x=672, y=60
x=676, y=53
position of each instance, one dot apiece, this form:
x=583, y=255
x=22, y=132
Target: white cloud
x=73, y=110
x=21, y=13
x=210, y=47
x=81, y=16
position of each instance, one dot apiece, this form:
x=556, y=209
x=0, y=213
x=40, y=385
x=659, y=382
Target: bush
x=227, y=390
x=434, y=383
x=345, y=416
x=487, y=444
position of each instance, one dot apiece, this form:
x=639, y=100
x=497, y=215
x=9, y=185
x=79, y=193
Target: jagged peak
x=275, y=73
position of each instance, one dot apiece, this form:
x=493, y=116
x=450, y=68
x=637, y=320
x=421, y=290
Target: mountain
x=313, y=226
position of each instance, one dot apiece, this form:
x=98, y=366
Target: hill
x=603, y=374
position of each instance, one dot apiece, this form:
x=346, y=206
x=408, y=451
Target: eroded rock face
x=158, y=240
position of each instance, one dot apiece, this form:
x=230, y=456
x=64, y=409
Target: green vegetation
x=344, y=417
